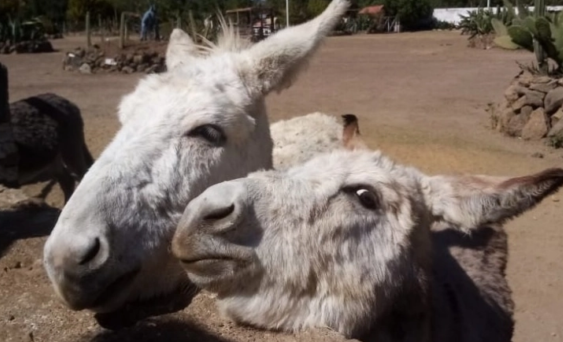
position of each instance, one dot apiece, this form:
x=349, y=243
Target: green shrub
x=410, y=12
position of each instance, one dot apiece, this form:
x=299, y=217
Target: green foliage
x=316, y=7
x=483, y=21
x=541, y=34
x=410, y=12
x=476, y=23
x=15, y=31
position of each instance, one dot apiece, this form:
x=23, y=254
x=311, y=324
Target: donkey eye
x=367, y=198
x=211, y=133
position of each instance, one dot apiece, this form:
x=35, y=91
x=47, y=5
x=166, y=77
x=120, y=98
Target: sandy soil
x=421, y=98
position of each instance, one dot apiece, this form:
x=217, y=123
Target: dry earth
x=420, y=97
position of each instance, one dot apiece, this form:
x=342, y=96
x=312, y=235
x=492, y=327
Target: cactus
x=506, y=42
x=543, y=36
x=522, y=37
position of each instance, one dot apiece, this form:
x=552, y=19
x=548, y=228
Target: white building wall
x=451, y=15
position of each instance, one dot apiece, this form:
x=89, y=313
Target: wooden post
x=193, y=28
x=122, y=31
x=9, y=157
x=88, y=36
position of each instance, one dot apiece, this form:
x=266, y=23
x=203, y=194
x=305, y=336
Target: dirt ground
x=420, y=97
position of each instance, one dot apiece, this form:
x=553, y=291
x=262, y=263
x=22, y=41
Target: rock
x=534, y=98
x=85, y=69
x=515, y=125
x=525, y=79
x=138, y=59
x=518, y=104
x=512, y=93
x=556, y=130
x=555, y=118
x=129, y=58
x=127, y=70
x=537, y=155
x=142, y=67
x=152, y=69
x=541, y=79
x=68, y=68
x=543, y=87
x=553, y=100
x=537, y=127
x=504, y=118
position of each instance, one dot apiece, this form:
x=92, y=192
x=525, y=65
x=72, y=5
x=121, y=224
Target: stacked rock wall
x=532, y=108
x=97, y=61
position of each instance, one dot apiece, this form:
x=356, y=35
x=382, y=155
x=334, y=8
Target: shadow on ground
x=157, y=330
x=25, y=222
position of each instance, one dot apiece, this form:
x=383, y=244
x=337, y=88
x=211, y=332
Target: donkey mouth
x=138, y=310
x=207, y=266
x=116, y=288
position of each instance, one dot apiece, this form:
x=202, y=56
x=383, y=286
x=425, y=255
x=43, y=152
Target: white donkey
x=202, y=122
x=352, y=241
x=300, y=138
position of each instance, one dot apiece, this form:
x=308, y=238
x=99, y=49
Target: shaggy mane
x=228, y=39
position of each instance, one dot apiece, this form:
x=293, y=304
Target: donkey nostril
x=220, y=213
x=91, y=253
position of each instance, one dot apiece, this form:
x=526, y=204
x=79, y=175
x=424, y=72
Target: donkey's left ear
x=470, y=202
x=351, y=133
x=273, y=63
x=181, y=48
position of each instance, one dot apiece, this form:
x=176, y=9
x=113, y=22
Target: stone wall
x=532, y=108
x=30, y=46
x=96, y=60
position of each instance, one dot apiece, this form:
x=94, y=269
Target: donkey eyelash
x=211, y=133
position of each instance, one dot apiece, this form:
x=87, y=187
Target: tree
x=316, y=7
x=411, y=13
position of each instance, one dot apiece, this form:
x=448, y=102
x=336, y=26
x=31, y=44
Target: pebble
x=537, y=155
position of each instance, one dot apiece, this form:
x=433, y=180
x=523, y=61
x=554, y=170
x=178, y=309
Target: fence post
x=122, y=31
x=88, y=37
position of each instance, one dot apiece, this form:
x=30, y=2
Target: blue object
x=149, y=22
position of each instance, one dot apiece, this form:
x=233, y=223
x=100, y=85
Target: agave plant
x=483, y=21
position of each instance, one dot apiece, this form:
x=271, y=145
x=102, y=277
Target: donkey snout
x=74, y=263
x=217, y=210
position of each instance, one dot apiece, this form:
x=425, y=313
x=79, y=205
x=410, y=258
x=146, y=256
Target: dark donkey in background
x=48, y=132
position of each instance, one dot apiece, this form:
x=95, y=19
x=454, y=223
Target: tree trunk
x=8, y=149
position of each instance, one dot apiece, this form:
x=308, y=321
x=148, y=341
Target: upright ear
x=273, y=63
x=470, y=202
x=181, y=48
x=351, y=133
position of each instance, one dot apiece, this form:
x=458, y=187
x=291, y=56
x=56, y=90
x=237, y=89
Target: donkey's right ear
x=181, y=48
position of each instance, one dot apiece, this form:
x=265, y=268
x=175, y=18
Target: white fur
x=298, y=139
x=299, y=250
x=133, y=196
